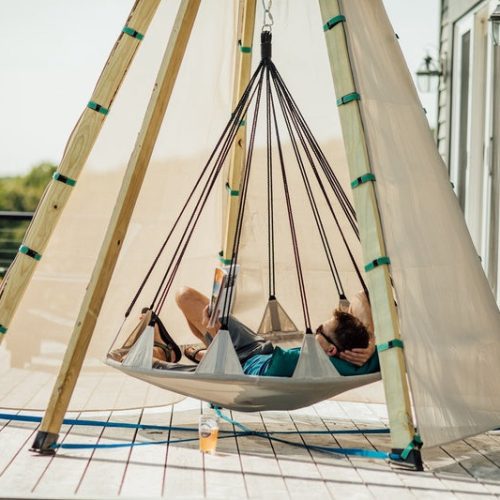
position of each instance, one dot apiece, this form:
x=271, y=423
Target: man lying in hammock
x=347, y=338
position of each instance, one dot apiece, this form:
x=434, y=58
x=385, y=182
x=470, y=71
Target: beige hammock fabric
x=219, y=378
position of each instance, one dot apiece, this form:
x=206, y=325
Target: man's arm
x=360, y=308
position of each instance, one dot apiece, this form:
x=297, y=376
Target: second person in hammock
x=347, y=338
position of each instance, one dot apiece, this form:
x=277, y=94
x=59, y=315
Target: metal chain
x=268, y=21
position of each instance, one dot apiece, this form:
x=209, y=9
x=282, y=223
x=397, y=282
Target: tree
x=20, y=194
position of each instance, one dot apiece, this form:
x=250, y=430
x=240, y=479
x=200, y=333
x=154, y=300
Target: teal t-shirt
x=282, y=363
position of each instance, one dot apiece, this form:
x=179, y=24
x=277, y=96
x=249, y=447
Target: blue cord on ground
x=243, y=432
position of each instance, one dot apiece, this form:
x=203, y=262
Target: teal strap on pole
x=232, y=192
x=353, y=96
x=243, y=123
x=245, y=50
x=362, y=179
x=224, y=261
x=416, y=442
x=97, y=107
x=132, y=32
x=29, y=252
x=333, y=22
x=3, y=329
x=389, y=345
x=377, y=262
x=62, y=178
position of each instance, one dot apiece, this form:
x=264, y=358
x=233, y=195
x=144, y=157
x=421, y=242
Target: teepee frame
x=381, y=294
x=75, y=155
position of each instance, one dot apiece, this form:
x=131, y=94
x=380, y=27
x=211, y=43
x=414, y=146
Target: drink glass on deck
x=209, y=432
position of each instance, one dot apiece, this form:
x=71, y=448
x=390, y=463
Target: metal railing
x=13, y=225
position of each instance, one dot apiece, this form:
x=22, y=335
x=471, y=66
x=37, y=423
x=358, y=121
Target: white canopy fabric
x=450, y=322
x=198, y=111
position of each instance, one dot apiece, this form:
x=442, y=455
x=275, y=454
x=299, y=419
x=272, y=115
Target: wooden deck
x=244, y=467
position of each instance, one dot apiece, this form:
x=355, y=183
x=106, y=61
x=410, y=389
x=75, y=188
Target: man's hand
x=358, y=356
x=205, y=319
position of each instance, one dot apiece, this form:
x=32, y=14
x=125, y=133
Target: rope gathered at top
x=265, y=82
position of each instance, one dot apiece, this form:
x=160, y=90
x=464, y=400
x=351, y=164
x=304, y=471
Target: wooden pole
x=372, y=239
x=243, y=66
x=75, y=155
x=117, y=229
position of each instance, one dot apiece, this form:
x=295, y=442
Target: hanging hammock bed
x=219, y=377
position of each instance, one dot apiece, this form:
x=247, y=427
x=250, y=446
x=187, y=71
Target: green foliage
x=20, y=194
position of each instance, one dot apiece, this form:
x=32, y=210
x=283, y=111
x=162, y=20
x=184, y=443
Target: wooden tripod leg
x=75, y=155
x=117, y=229
x=372, y=239
x=243, y=66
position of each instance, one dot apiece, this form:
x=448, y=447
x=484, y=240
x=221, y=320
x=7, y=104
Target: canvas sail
x=450, y=322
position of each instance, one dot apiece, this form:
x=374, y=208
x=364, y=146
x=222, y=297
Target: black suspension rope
x=235, y=117
x=344, y=201
x=298, y=266
x=168, y=279
x=312, y=201
x=241, y=209
x=270, y=197
x=299, y=133
x=293, y=112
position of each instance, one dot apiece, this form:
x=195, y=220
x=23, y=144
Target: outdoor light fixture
x=428, y=75
x=495, y=25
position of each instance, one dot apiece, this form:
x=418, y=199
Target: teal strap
x=333, y=22
x=416, y=442
x=29, y=252
x=245, y=50
x=389, y=345
x=3, y=329
x=226, y=262
x=362, y=179
x=132, y=32
x=62, y=178
x=232, y=192
x=243, y=123
x=377, y=262
x=97, y=107
x=353, y=96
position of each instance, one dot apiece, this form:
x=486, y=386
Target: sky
x=51, y=59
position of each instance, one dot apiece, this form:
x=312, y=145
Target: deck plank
x=244, y=467
x=301, y=474
x=258, y=461
x=342, y=479
x=185, y=475
x=104, y=474
x=23, y=469
x=223, y=472
x=64, y=473
x=145, y=471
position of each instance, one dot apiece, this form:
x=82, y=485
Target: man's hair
x=350, y=332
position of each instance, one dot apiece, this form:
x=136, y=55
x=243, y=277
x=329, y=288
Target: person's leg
x=191, y=303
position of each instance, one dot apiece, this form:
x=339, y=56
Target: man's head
x=343, y=332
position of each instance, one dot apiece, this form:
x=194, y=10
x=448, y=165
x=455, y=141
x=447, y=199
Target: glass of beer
x=209, y=432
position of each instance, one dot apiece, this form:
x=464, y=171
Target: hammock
x=219, y=378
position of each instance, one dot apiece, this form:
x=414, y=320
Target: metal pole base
x=43, y=443
x=413, y=460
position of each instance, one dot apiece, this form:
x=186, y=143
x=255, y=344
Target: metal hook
x=268, y=20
